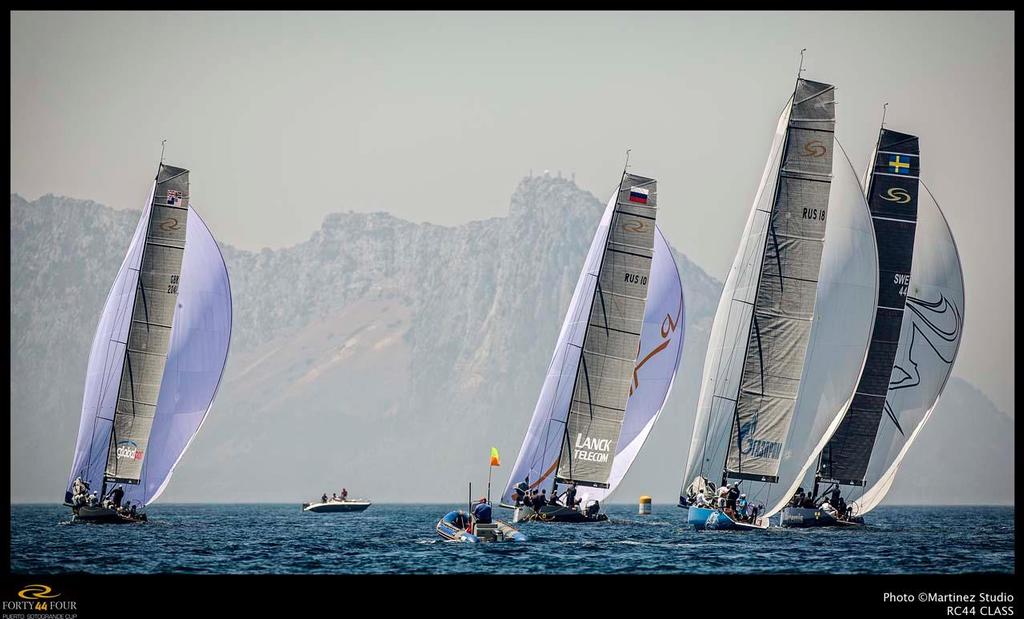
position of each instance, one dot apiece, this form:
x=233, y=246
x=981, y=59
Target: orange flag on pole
x=494, y=457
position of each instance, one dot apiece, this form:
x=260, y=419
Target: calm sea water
x=280, y=539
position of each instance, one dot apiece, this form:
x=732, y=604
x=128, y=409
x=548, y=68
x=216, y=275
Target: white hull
x=354, y=505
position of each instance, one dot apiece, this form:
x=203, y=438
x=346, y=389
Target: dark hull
x=104, y=515
x=559, y=513
x=802, y=517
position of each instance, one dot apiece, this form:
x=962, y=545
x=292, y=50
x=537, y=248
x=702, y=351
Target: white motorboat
x=347, y=505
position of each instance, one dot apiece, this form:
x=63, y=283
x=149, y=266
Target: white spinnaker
x=929, y=341
x=195, y=361
x=726, y=345
x=844, y=315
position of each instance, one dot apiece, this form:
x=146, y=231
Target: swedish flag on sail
x=899, y=164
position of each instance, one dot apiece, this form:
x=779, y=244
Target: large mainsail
x=789, y=337
x=892, y=194
x=783, y=303
x=611, y=341
x=651, y=376
x=159, y=349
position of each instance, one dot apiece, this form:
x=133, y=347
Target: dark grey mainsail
x=612, y=338
x=786, y=289
x=149, y=334
x=892, y=196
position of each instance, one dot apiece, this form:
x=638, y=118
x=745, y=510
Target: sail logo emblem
x=815, y=148
x=634, y=226
x=757, y=448
x=668, y=327
x=170, y=224
x=128, y=449
x=37, y=592
x=897, y=195
x=37, y=598
x=898, y=166
x=591, y=449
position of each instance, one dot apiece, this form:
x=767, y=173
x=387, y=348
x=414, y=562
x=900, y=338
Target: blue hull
x=702, y=518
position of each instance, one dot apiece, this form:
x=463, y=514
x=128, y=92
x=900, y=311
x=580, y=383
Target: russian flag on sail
x=638, y=195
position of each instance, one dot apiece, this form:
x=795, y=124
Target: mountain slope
x=388, y=357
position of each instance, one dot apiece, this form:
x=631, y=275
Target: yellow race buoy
x=645, y=505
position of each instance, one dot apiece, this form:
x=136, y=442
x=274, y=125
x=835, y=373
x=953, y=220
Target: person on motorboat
x=482, y=512
x=458, y=519
x=344, y=494
x=323, y=499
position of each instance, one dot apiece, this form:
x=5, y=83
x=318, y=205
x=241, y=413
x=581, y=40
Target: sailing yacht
x=916, y=336
x=612, y=368
x=790, y=333
x=156, y=359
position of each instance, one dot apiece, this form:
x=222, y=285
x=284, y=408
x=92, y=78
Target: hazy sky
x=284, y=117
